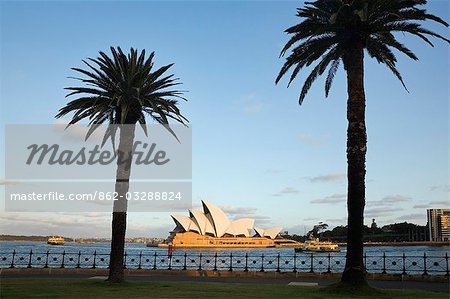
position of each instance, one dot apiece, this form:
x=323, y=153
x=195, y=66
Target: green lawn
x=88, y=288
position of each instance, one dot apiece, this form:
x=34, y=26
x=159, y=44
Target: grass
x=88, y=288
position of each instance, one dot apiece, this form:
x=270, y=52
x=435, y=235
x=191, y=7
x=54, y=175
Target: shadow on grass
x=364, y=290
x=89, y=288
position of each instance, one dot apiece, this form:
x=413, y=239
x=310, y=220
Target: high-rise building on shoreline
x=438, y=224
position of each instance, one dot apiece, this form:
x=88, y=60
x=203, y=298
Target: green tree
x=335, y=31
x=121, y=91
x=315, y=231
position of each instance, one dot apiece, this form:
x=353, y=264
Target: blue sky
x=256, y=152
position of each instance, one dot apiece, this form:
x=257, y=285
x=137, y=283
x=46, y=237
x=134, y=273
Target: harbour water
x=104, y=248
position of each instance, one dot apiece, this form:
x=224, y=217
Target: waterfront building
x=212, y=228
x=438, y=224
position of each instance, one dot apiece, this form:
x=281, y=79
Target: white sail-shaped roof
x=240, y=227
x=272, y=232
x=186, y=223
x=259, y=231
x=202, y=222
x=218, y=218
x=215, y=222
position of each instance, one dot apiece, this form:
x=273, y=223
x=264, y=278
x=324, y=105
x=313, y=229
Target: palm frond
x=342, y=24
x=122, y=89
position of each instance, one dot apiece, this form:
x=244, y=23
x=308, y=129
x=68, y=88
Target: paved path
x=429, y=286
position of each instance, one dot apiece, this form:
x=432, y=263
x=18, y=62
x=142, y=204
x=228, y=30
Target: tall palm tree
x=335, y=31
x=121, y=91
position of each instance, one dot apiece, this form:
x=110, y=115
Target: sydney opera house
x=212, y=228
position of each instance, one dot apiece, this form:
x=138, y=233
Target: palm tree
x=335, y=31
x=121, y=91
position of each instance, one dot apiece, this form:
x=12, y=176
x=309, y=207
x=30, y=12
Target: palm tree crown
x=123, y=90
x=330, y=27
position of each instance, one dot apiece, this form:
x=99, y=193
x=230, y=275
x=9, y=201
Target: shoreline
x=366, y=244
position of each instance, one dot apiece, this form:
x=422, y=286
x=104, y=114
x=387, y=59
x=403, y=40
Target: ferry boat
x=56, y=240
x=316, y=245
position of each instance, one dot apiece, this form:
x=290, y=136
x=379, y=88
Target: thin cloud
x=232, y=210
x=8, y=182
x=88, y=214
x=421, y=206
x=332, y=199
x=253, y=108
x=445, y=203
x=77, y=225
x=298, y=229
x=441, y=202
x=287, y=191
x=77, y=132
x=442, y=188
x=415, y=216
x=311, y=219
x=395, y=198
x=310, y=140
x=328, y=178
x=260, y=220
x=337, y=220
x=388, y=200
x=252, y=104
x=382, y=211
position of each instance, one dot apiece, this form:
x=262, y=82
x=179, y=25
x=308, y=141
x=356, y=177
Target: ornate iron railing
x=301, y=262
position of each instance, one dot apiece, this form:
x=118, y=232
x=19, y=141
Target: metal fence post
x=12, y=261
x=295, y=262
x=140, y=260
x=95, y=258
x=63, y=256
x=329, y=263
x=154, y=261
x=200, y=263
x=231, y=262
x=262, y=263
x=425, y=264
x=79, y=258
x=185, y=257
x=278, y=262
x=311, y=270
x=384, y=263
x=404, y=264
x=215, y=262
x=46, y=259
x=446, y=263
x=365, y=261
x=246, y=262
x=29, y=260
x=169, y=259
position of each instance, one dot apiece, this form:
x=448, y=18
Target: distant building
x=374, y=224
x=438, y=224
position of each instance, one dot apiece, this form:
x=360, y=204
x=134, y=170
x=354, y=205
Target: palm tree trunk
x=354, y=271
x=119, y=217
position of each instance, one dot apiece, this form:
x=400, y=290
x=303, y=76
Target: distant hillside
x=15, y=238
